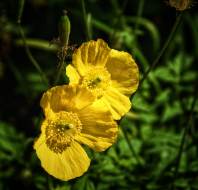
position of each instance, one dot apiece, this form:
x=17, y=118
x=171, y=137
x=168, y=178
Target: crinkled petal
x=92, y=53
x=66, y=98
x=73, y=75
x=99, y=130
x=117, y=103
x=72, y=163
x=124, y=72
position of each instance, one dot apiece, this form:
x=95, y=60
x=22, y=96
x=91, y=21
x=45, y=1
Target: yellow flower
x=111, y=75
x=71, y=119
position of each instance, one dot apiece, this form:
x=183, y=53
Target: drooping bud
x=180, y=5
x=64, y=29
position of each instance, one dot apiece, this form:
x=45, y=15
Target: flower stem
x=139, y=14
x=62, y=64
x=87, y=20
x=31, y=58
x=166, y=44
x=21, y=8
x=37, y=44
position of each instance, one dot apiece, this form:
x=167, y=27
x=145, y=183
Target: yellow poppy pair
x=84, y=112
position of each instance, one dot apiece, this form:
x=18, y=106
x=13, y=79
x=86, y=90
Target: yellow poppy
x=71, y=119
x=110, y=74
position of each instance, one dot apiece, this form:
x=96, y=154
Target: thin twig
x=155, y=62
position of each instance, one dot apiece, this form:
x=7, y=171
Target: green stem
x=155, y=62
x=149, y=26
x=100, y=25
x=38, y=44
x=185, y=132
x=31, y=58
x=21, y=8
x=131, y=146
x=61, y=67
x=88, y=36
x=89, y=26
x=139, y=14
x=119, y=18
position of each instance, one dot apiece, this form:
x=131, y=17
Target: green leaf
x=171, y=111
x=90, y=185
x=81, y=183
x=182, y=182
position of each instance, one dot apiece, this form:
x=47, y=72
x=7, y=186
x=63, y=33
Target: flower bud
x=180, y=5
x=64, y=29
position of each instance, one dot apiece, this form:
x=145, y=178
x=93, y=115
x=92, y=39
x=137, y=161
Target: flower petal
x=72, y=163
x=73, y=75
x=92, y=53
x=99, y=130
x=124, y=72
x=117, y=103
x=65, y=98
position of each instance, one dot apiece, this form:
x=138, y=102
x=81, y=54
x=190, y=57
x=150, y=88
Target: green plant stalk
x=118, y=16
x=85, y=18
x=155, y=62
x=150, y=27
x=185, y=132
x=131, y=146
x=38, y=44
x=89, y=26
x=31, y=58
x=18, y=76
x=100, y=25
x=138, y=54
x=61, y=67
x=21, y=8
x=139, y=14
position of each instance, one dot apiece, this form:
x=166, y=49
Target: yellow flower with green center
x=111, y=75
x=71, y=119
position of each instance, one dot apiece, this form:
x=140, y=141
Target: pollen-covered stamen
x=61, y=130
x=97, y=80
x=93, y=83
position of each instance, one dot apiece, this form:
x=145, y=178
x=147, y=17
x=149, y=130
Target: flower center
x=97, y=80
x=61, y=130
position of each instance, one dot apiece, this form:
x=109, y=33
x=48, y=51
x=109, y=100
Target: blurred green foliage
x=161, y=107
